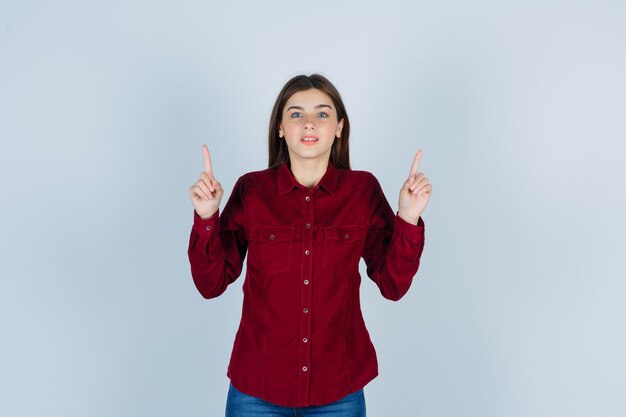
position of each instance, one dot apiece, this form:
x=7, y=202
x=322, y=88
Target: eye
x=323, y=115
x=296, y=114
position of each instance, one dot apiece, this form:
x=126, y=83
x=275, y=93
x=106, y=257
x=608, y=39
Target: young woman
x=302, y=347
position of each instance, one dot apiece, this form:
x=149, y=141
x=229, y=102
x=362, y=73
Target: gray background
x=518, y=307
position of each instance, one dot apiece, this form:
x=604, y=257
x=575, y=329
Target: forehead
x=309, y=98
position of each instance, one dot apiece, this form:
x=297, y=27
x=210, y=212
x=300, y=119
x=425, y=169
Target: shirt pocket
x=271, y=248
x=343, y=246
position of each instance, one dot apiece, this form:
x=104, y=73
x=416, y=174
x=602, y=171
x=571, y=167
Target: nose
x=308, y=122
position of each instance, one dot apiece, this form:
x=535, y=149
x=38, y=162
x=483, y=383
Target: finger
x=208, y=166
x=427, y=189
x=197, y=191
x=424, y=189
x=418, y=185
x=416, y=163
x=202, y=185
x=407, y=184
x=207, y=180
x=417, y=180
x=217, y=186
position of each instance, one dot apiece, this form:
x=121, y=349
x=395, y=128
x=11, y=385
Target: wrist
x=409, y=219
x=206, y=216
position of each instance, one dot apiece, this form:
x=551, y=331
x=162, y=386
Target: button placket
x=308, y=254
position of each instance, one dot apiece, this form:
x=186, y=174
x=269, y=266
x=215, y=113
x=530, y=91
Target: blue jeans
x=239, y=404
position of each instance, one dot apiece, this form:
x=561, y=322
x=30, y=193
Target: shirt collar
x=286, y=181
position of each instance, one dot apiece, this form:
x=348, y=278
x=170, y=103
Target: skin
x=415, y=193
x=313, y=115
x=309, y=113
x=206, y=194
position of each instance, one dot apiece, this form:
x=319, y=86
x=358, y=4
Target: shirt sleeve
x=393, y=247
x=218, y=245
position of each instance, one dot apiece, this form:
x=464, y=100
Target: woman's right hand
x=206, y=194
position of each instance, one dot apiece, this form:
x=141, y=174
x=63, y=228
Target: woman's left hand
x=414, y=194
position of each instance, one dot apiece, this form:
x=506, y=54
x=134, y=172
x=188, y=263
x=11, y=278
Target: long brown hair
x=278, y=152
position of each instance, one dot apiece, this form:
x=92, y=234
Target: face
x=309, y=125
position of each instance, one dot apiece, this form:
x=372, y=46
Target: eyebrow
x=319, y=106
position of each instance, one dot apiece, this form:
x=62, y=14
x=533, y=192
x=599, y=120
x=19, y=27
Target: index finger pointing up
x=208, y=168
x=416, y=164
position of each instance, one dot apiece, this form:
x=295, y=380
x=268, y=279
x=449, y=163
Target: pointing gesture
x=415, y=193
x=208, y=167
x=206, y=194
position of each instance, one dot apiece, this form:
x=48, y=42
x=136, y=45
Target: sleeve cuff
x=206, y=226
x=411, y=231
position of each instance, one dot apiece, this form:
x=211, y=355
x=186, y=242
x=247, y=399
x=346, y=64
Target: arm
x=393, y=247
x=218, y=245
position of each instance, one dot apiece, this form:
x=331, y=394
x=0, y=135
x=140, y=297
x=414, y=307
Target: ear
x=280, y=131
x=339, y=128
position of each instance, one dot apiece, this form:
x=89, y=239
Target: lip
x=309, y=142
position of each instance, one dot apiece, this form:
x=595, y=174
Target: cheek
x=330, y=129
x=292, y=131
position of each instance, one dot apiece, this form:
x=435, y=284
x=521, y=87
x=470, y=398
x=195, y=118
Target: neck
x=309, y=172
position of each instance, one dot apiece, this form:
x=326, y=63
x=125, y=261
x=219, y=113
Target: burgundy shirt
x=302, y=340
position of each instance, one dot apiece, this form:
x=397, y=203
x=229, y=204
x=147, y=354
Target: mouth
x=309, y=139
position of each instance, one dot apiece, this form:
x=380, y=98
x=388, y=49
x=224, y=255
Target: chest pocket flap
x=271, y=249
x=272, y=234
x=342, y=247
x=345, y=234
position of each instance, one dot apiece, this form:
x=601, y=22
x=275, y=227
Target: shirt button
x=208, y=228
x=307, y=252
x=304, y=368
x=272, y=237
x=347, y=236
x=306, y=282
x=306, y=310
x=308, y=225
x=305, y=340
x=307, y=198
